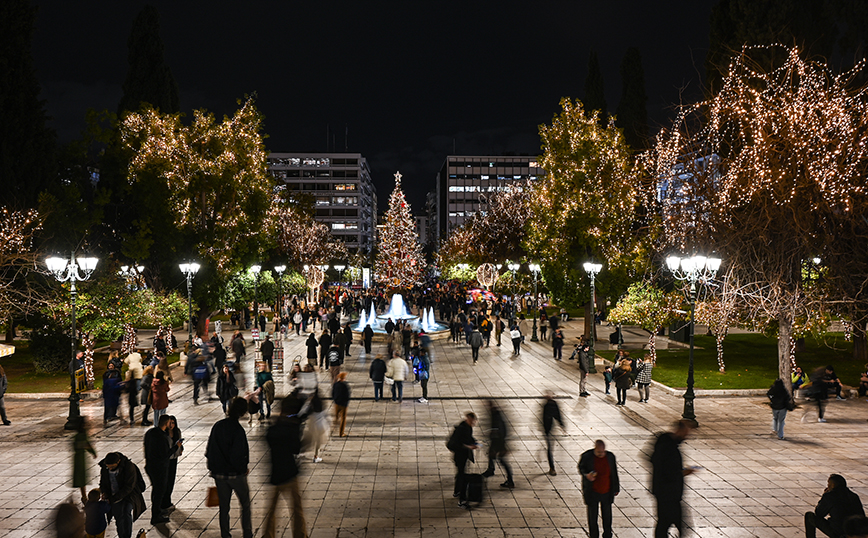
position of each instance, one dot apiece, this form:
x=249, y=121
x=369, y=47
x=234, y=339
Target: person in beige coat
x=134, y=366
x=397, y=370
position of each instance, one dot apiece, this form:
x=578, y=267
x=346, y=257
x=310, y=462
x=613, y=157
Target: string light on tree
x=400, y=263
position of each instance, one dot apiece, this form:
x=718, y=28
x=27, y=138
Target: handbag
x=388, y=381
x=212, y=499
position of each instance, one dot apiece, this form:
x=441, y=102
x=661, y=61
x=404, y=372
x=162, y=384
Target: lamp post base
x=533, y=337
x=74, y=413
x=688, y=413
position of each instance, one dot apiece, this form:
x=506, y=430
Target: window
x=322, y=173
x=310, y=161
x=322, y=200
x=345, y=186
x=309, y=173
x=345, y=200
x=345, y=226
x=456, y=189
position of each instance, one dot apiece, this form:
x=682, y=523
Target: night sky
x=407, y=79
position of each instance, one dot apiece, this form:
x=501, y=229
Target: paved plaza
x=392, y=476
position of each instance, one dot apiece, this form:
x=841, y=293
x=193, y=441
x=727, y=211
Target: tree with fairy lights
x=399, y=259
x=648, y=307
x=20, y=295
x=763, y=172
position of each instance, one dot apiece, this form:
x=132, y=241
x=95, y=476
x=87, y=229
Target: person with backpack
x=423, y=371
x=122, y=485
x=334, y=360
x=475, y=342
x=199, y=371
x=462, y=444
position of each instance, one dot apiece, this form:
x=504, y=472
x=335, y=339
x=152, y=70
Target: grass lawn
x=23, y=377
x=751, y=361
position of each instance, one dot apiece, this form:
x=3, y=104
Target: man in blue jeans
x=120, y=485
x=228, y=456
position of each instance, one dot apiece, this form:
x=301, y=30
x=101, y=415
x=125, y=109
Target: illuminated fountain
x=398, y=311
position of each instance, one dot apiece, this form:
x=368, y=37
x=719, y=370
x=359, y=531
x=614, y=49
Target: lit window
x=484, y=177
x=456, y=189
x=345, y=186
x=345, y=226
x=322, y=200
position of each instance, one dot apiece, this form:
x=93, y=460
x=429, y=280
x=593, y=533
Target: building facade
x=340, y=186
x=464, y=180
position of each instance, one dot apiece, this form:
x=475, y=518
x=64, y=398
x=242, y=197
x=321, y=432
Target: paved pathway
x=392, y=477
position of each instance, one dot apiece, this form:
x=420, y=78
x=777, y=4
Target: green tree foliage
x=149, y=80
x=632, y=114
x=27, y=145
x=217, y=187
x=595, y=94
x=584, y=207
x=649, y=307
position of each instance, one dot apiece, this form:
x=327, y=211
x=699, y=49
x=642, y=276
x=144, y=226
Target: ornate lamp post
x=696, y=270
x=340, y=270
x=189, y=270
x=536, y=269
x=67, y=270
x=279, y=269
x=593, y=269
x=255, y=269
x=131, y=274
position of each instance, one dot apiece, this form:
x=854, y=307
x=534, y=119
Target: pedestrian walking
x=341, y=399
x=226, y=387
x=122, y=485
x=515, y=335
x=334, y=361
x=81, y=446
x=159, y=395
x=819, y=391
x=284, y=443
x=600, y=486
x=397, y=370
x=644, y=368
x=266, y=349
x=348, y=339
x=607, y=377
x=131, y=389
x=462, y=444
x=237, y=345
x=4, y=384
x=265, y=384
x=199, y=370
x=316, y=432
x=325, y=344
x=424, y=373
x=133, y=362
x=146, y=395
x=497, y=449
x=177, y=442
x=621, y=376
x=368, y=336
x=780, y=401
x=584, y=360
x=377, y=373
x=839, y=503
x=111, y=393
x=475, y=342
x=158, y=449
x=557, y=344
x=667, y=478
x=551, y=412
x=228, y=456
x=312, y=349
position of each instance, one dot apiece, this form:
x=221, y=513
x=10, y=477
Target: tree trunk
x=860, y=350
x=652, y=346
x=10, y=330
x=785, y=331
x=721, y=365
x=589, y=320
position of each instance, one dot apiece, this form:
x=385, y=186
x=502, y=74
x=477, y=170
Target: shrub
x=50, y=349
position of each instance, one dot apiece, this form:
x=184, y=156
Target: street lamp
x=279, y=269
x=67, y=270
x=593, y=269
x=513, y=267
x=255, y=269
x=536, y=269
x=189, y=270
x=696, y=270
x=340, y=270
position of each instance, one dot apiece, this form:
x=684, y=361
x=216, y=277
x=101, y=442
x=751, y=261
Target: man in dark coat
x=238, y=347
x=325, y=343
x=550, y=413
x=348, y=339
x=667, y=478
x=497, y=444
x=158, y=449
x=599, y=487
x=228, y=456
x=839, y=503
x=284, y=442
x=368, y=334
x=390, y=326
x=462, y=444
x=219, y=353
x=334, y=324
x=121, y=484
x=267, y=350
x=377, y=375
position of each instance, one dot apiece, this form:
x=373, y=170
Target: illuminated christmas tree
x=399, y=261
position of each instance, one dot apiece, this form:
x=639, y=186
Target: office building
x=341, y=189
x=464, y=180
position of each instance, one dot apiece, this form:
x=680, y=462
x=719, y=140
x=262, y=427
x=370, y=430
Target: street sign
x=255, y=334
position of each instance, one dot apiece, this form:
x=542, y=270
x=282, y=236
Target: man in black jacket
x=839, y=503
x=497, y=444
x=550, y=413
x=267, y=350
x=599, y=487
x=121, y=484
x=158, y=449
x=377, y=375
x=228, y=456
x=667, y=478
x=462, y=444
x=348, y=339
x=368, y=335
x=284, y=440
